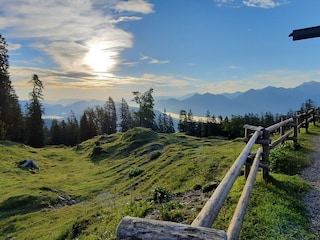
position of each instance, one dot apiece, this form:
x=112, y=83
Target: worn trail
x=312, y=198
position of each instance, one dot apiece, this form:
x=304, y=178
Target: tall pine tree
x=111, y=116
x=11, y=120
x=34, y=123
x=125, y=115
x=145, y=115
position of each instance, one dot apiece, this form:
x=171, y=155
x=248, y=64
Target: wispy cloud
x=139, y=6
x=251, y=3
x=66, y=31
x=278, y=78
x=152, y=60
x=13, y=46
x=232, y=67
x=125, y=19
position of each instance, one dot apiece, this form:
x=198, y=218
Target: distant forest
x=28, y=127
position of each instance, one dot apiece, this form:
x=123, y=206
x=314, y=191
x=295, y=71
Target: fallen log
x=144, y=229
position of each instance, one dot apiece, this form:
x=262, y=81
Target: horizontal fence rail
x=136, y=228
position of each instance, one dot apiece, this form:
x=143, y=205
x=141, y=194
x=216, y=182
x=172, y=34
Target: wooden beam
x=305, y=33
x=238, y=216
x=131, y=228
x=211, y=209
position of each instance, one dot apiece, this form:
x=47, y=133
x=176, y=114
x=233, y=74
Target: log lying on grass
x=139, y=228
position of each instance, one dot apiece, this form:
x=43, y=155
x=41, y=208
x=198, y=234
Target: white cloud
x=251, y=3
x=232, y=67
x=277, y=78
x=68, y=30
x=152, y=60
x=139, y=6
x=262, y=3
x=13, y=46
x=125, y=19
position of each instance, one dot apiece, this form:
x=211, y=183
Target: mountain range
x=269, y=99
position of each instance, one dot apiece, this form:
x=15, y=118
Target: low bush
x=285, y=159
x=135, y=172
x=161, y=195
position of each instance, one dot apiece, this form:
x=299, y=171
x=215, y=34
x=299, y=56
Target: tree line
x=29, y=127
x=103, y=120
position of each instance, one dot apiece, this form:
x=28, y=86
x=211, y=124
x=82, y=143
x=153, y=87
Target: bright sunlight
x=100, y=59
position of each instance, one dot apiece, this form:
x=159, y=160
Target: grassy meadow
x=83, y=192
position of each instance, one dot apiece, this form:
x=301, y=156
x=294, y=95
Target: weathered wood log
x=238, y=216
x=281, y=139
x=278, y=125
x=211, y=209
x=144, y=229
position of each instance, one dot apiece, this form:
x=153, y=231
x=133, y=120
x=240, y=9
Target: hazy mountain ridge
x=269, y=99
x=257, y=101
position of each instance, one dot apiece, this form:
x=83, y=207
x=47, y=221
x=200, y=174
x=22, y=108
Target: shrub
x=282, y=159
x=160, y=195
x=135, y=172
x=138, y=209
x=96, y=151
x=172, y=211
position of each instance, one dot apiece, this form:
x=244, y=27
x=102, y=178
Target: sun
x=100, y=59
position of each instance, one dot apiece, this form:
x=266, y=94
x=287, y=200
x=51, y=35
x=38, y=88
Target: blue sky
x=93, y=49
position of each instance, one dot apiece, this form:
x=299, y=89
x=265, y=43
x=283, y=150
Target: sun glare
x=100, y=59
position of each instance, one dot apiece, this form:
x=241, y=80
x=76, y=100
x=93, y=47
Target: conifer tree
x=83, y=130
x=34, y=123
x=170, y=125
x=72, y=131
x=111, y=116
x=182, y=125
x=125, y=116
x=145, y=115
x=88, y=128
x=55, y=133
x=11, y=119
x=161, y=126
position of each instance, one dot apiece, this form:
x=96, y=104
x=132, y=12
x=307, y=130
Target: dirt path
x=312, y=198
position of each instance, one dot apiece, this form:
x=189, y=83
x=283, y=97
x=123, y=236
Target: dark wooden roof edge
x=305, y=33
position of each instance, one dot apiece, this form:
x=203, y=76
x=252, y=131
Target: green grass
x=120, y=176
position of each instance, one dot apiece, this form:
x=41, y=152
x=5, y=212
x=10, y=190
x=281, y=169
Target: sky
x=93, y=49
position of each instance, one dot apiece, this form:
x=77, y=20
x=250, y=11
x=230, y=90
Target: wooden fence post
x=265, y=154
x=306, y=124
x=281, y=128
x=295, y=131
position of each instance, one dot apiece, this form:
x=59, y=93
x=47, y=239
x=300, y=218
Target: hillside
x=83, y=192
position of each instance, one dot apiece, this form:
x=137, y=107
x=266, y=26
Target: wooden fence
x=288, y=129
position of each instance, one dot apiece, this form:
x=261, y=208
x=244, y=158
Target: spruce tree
x=84, y=128
x=88, y=127
x=34, y=123
x=125, y=116
x=182, y=125
x=11, y=119
x=55, y=133
x=145, y=115
x=72, y=131
x=170, y=125
x=111, y=116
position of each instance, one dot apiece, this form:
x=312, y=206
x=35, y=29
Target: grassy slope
x=98, y=177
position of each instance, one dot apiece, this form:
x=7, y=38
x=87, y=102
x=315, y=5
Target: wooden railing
x=136, y=228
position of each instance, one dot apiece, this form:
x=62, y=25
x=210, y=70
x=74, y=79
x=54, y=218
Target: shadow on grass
x=292, y=185
x=22, y=204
